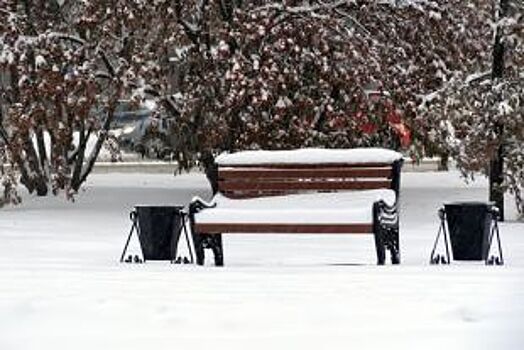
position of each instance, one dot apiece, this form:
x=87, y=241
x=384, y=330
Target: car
x=142, y=129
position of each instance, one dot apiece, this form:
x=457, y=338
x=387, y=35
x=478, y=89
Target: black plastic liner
x=469, y=226
x=159, y=228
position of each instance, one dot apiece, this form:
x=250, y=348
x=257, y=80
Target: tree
x=480, y=113
x=65, y=66
x=496, y=169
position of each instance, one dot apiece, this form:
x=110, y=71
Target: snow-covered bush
x=336, y=73
x=63, y=67
x=479, y=116
x=286, y=75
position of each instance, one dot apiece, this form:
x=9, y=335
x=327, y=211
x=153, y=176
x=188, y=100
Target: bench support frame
x=385, y=226
x=385, y=229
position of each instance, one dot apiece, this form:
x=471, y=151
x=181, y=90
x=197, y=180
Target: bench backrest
x=257, y=180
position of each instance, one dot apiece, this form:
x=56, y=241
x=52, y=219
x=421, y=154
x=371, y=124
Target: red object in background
x=403, y=133
x=369, y=128
x=395, y=121
x=393, y=117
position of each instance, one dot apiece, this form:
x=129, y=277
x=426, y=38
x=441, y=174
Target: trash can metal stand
x=158, y=229
x=469, y=227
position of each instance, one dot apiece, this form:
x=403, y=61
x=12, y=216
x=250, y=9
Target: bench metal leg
x=379, y=235
x=379, y=246
x=208, y=241
x=393, y=245
x=218, y=252
x=203, y=240
x=198, y=242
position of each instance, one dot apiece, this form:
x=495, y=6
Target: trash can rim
x=159, y=206
x=469, y=203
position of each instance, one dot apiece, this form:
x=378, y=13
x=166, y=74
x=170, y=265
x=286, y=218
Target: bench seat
x=296, y=209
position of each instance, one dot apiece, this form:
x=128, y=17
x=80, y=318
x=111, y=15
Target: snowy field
x=61, y=286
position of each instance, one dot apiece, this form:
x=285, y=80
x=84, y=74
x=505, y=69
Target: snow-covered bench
x=302, y=191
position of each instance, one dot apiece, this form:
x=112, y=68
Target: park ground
x=62, y=287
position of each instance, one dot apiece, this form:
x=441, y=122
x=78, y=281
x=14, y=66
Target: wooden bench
x=294, y=194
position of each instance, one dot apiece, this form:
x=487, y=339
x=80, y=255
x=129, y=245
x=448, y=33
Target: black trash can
x=159, y=230
x=469, y=226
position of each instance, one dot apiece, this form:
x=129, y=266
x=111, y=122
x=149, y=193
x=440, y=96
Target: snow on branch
x=64, y=36
x=111, y=69
x=303, y=9
x=352, y=19
x=453, y=83
x=192, y=29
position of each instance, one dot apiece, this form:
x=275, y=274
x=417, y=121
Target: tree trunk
x=443, y=164
x=496, y=171
x=36, y=179
x=496, y=192
x=38, y=184
x=41, y=187
x=93, y=156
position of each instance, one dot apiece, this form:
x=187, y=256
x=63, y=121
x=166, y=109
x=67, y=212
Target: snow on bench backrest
x=310, y=156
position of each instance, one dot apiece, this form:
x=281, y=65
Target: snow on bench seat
x=319, y=208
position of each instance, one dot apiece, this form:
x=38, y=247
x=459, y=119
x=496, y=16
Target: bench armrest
x=197, y=204
x=385, y=214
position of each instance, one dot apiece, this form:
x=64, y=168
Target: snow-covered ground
x=61, y=286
